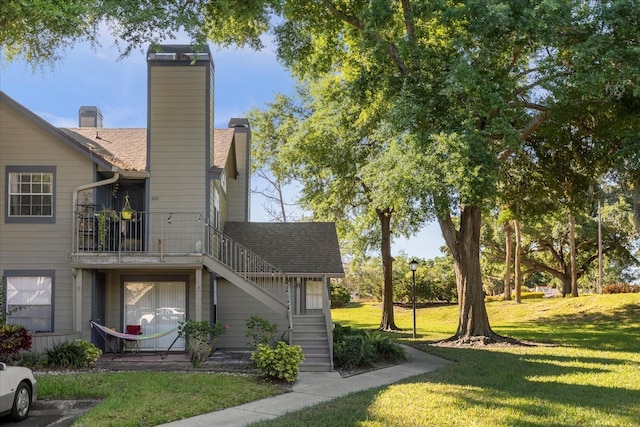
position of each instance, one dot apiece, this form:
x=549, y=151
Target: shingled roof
x=294, y=247
x=122, y=147
x=126, y=148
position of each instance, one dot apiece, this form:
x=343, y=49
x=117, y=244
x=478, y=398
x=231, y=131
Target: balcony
x=103, y=239
x=106, y=232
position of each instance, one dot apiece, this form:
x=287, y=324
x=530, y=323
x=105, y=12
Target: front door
x=157, y=307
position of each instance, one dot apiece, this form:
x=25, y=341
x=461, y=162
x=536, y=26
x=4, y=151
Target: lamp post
x=413, y=265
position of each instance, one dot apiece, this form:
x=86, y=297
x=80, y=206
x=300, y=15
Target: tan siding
x=87, y=296
x=235, y=307
x=41, y=246
x=178, y=126
x=238, y=188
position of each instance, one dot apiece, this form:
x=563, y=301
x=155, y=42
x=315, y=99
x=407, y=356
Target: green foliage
x=620, y=288
x=261, y=331
x=76, y=354
x=523, y=295
x=281, y=362
x=339, y=295
x=33, y=360
x=435, y=280
x=355, y=348
x=200, y=338
x=14, y=339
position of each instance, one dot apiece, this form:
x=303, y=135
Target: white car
x=18, y=390
x=163, y=314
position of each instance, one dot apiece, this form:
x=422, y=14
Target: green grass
x=587, y=373
x=152, y=398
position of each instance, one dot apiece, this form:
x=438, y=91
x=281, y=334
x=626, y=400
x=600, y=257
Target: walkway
x=313, y=388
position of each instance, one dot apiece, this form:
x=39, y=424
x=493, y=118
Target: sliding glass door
x=157, y=307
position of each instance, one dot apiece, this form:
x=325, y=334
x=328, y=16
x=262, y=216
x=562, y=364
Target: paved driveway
x=58, y=413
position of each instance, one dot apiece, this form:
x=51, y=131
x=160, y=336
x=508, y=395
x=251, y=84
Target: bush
x=33, y=360
x=340, y=295
x=353, y=351
x=356, y=348
x=200, y=338
x=385, y=349
x=281, y=362
x=14, y=339
x=620, y=288
x=523, y=295
x=76, y=354
x=261, y=331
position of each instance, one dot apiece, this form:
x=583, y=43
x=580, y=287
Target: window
x=216, y=209
x=29, y=300
x=223, y=180
x=30, y=193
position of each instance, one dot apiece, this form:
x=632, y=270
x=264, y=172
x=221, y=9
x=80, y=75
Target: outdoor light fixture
x=413, y=265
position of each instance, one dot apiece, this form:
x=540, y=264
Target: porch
x=220, y=360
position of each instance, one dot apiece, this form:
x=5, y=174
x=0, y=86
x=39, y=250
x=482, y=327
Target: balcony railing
x=159, y=234
x=152, y=233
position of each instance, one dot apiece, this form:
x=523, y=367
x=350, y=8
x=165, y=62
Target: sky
x=244, y=79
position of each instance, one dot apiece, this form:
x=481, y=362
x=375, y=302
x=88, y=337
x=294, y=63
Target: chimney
x=89, y=116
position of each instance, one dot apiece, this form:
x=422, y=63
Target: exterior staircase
x=266, y=283
x=310, y=333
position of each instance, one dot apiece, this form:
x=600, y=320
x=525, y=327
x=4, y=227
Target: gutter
x=74, y=201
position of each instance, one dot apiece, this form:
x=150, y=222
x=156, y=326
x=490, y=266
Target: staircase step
x=315, y=367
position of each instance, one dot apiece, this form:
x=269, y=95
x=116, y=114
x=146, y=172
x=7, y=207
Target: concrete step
x=315, y=367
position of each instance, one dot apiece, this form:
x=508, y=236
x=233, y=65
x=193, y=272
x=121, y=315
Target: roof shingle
x=294, y=247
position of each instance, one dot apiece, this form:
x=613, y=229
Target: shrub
x=386, y=350
x=340, y=295
x=281, y=362
x=531, y=295
x=620, y=288
x=33, y=360
x=14, y=339
x=76, y=354
x=356, y=348
x=261, y=331
x=353, y=351
x=200, y=338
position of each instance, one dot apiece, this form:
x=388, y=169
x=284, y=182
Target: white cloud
x=57, y=121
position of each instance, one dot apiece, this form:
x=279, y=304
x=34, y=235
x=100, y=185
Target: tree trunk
x=473, y=322
x=387, y=323
x=507, y=261
x=517, y=272
x=572, y=250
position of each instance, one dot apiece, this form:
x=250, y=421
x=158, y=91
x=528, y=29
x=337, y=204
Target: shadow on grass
x=508, y=378
x=615, y=331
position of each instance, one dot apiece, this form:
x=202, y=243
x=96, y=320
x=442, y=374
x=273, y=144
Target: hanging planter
x=127, y=212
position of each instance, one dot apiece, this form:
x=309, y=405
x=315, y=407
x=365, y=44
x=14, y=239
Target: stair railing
x=247, y=264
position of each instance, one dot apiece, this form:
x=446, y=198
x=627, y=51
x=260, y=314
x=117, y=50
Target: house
x=149, y=227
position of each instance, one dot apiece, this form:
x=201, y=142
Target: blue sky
x=244, y=79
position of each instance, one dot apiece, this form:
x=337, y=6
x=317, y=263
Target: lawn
x=586, y=372
x=152, y=398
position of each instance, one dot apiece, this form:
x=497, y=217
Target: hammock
x=131, y=337
x=102, y=330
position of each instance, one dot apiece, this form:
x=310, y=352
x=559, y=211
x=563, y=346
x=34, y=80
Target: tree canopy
x=464, y=83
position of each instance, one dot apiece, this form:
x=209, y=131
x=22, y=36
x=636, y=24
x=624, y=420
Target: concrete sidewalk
x=313, y=388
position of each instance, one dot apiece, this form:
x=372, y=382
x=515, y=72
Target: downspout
x=74, y=201
x=77, y=273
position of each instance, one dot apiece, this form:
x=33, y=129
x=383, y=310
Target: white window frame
x=38, y=186
x=216, y=209
x=26, y=291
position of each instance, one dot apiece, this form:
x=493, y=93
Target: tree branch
x=356, y=23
